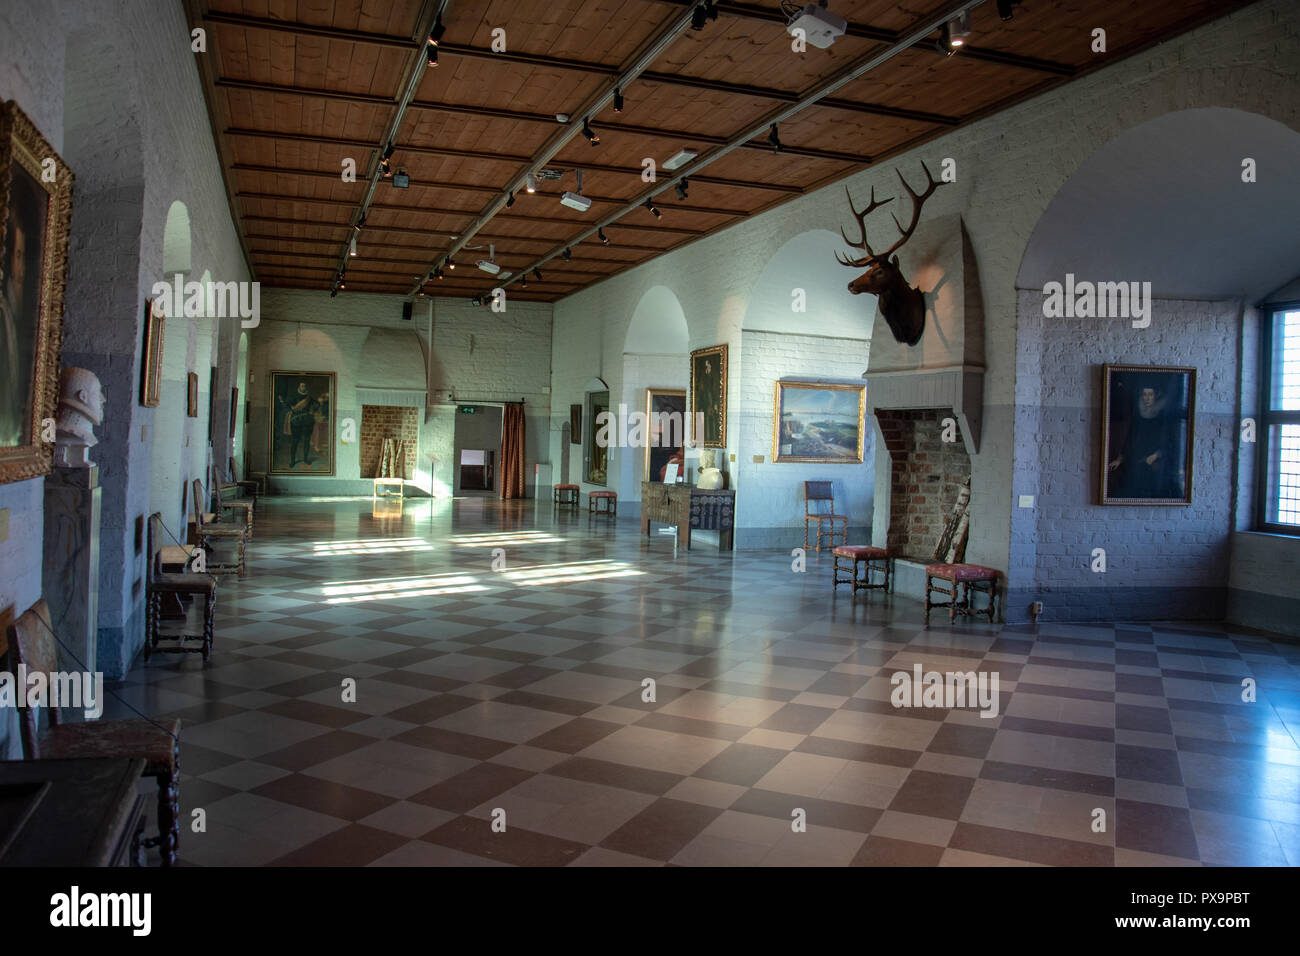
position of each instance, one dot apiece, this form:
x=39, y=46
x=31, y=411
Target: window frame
x=1268, y=418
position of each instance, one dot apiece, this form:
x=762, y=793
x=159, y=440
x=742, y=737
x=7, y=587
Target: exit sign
x=468, y=409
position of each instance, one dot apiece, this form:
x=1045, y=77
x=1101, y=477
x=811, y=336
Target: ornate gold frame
x=155, y=327
x=650, y=394
x=819, y=387
x=698, y=440
x=272, y=417
x=22, y=142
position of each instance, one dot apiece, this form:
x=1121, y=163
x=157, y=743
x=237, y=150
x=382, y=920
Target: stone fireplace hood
x=958, y=387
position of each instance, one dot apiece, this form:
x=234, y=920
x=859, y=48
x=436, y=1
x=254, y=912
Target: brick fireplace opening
x=926, y=476
x=388, y=421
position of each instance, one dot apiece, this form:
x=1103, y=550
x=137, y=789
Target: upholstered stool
x=610, y=506
x=847, y=557
x=566, y=495
x=973, y=576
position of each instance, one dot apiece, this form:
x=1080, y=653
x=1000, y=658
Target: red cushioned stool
x=859, y=554
x=610, y=506
x=566, y=495
x=974, y=576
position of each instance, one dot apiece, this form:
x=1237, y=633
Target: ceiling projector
x=576, y=201
x=820, y=27
x=488, y=266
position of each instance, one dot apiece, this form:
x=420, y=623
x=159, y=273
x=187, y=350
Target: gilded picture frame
x=300, y=423
x=709, y=396
x=1148, y=435
x=665, y=438
x=155, y=325
x=35, y=217
x=819, y=422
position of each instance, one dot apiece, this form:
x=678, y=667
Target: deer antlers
x=918, y=200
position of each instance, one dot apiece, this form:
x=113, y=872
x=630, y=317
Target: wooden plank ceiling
x=297, y=86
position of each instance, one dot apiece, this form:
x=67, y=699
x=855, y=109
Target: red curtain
x=512, y=452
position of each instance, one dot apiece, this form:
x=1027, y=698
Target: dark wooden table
x=698, y=509
x=70, y=812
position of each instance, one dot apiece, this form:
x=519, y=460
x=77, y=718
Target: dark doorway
x=477, y=448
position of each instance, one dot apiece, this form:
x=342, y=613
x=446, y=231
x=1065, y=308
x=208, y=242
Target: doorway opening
x=477, y=449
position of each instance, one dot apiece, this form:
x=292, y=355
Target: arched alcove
x=1165, y=202
x=177, y=241
x=656, y=358
x=803, y=289
x=1161, y=210
x=658, y=325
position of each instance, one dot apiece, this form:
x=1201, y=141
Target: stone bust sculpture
x=81, y=408
x=710, y=475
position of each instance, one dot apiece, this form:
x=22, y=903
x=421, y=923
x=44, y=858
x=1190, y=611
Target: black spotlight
x=698, y=17
x=600, y=234
x=537, y=274
x=388, y=153
x=682, y=186
x=431, y=52
x=566, y=255
x=618, y=100
x=523, y=280
x=437, y=32
x=510, y=200
x=591, y=137
x=774, y=140
x=334, y=291
x=654, y=210
x=1005, y=12
x=451, y=263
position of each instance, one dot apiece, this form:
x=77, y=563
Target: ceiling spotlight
x=591, y=137
x=431, y=52
x=682, y=186
x=705, y=11
x=343, y=283
x=600, y=234
x=360, y=222
x=510, y=200
x=352, y=249
x=385, y=168
x=334, y=291
x=774, y=140
x=451, y=263
x=388, y=153
x=537, y=274
x=566, y=255
x=530, y=183
x=957, y=30
x=436, y=273
x=437, y=32
x=649, y=204
x=523, y=280
x=618, y=100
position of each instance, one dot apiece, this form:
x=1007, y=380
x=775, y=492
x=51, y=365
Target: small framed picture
x=192, y=394
x=670, y=473
x=1148, y=426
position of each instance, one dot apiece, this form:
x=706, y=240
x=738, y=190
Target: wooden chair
x=33, y=645
x=235, y=486
x=173, y=588
x=816, y=496
x=208, y=532
x=240, y=510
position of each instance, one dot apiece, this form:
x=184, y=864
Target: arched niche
x=804, y=274
x=658, y=325
x=1165, y=202
x=177, y=240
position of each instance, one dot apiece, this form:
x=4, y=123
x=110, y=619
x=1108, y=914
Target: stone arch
x=658, y=325
x=656, y=354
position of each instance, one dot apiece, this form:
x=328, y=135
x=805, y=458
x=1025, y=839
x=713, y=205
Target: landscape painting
x=817, y=422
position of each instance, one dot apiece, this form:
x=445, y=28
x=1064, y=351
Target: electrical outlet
x=733, y=457
x=1026, y=501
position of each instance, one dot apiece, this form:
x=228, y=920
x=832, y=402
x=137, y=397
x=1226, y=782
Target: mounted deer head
x=902, y=306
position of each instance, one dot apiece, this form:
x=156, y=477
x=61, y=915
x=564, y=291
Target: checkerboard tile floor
x=499, y=653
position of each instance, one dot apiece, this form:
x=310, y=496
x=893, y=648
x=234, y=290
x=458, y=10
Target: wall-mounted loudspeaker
x=406, y=311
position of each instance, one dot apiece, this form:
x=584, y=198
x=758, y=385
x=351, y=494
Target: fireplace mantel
x=959, y=387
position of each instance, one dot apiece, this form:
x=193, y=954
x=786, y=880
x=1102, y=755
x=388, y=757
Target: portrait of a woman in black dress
x=1147, y=434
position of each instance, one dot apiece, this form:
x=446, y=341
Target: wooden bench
x=609, y=499
x=859, y=555
x=566, y=495
x=963, y=577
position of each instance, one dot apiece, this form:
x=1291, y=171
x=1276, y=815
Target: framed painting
x=709, y=395
x=575, y=424
x=155, y=323
x=35, y=213
x=819, y=422
x=1148, y=426
x=301, y=423
x=234, y=410
x=665, y=414
x=192, y=394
